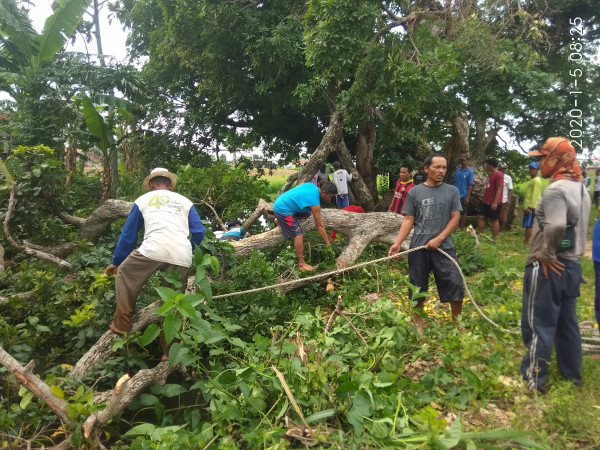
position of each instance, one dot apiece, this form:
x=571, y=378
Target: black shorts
x=289, y=224
x=487, y=211
x=465, y=205
x=596, y=194
x=447, y=278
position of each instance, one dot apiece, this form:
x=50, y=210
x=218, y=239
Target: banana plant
x=23, y=50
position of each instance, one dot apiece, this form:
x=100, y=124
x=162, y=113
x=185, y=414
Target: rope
x=590, y=343
x=365, y=264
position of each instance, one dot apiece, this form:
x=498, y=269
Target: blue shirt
x=462, y=180
x=297, y=200
x=596, y=242
x=235, y=232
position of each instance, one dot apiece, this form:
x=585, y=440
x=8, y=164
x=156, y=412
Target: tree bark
x=70, y=159
x=102, y=349
x=261, y=209
x=483, y=140
x=459, y=143
x=365, y=151
x=119, y=398
x=41, y=390
x=328, y=144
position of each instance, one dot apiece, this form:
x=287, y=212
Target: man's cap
x=502, y=166
x=336, y=164
x=534, y=165
x=550, y=145
x=159, y=172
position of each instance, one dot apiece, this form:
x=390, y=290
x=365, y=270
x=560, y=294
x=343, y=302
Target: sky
x=111, y=30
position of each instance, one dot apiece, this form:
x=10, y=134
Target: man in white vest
x=168, y=220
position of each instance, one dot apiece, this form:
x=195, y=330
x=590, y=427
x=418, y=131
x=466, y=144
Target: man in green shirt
x=532, y=198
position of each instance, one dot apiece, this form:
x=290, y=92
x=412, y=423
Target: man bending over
x=299, y=203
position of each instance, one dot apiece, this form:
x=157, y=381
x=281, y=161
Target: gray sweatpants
x=549, y=321
x=131, y=277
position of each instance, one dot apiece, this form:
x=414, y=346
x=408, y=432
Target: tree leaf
x=145, y=429
x=171, y=325
x=326, y=413
x=96, y=124
x=362, y=406
x=450, y=437
x=58, y=27
x=26, y=399
x=215, y=264
x=186, y=309
x=57, y=392
x=150, y=333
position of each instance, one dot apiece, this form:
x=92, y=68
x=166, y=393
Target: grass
x=566, y=417
x=485, y=361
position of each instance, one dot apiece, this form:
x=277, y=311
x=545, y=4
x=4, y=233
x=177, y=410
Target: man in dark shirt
x=404, y=184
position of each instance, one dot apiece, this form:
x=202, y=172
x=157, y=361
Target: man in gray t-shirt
x=433, y=208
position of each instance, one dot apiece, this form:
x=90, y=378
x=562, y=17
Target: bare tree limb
x=24, y=248
x=120, y=398
x=41, y=390
x=101, y=350
x=219, y=221
x=261, y=209
x=412, y=17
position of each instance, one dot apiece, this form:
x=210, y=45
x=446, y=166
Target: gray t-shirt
x=431, y=207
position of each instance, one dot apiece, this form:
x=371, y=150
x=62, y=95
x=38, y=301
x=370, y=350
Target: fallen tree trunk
x=359, y=229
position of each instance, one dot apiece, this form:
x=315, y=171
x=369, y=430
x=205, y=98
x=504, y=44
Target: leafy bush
x=229, y=190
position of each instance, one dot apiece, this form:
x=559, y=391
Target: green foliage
x=396, y=390
x=229, y=190
x=471, y=259
x=39, y=179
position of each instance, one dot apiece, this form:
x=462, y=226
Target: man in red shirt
x=403, y=185
x=490, y=204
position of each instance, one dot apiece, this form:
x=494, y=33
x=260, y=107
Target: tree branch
x=24, y=248
x=41, y=390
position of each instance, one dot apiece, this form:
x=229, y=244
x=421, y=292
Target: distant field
x=276, y=179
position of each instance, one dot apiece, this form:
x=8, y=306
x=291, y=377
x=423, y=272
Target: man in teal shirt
x=299, y=203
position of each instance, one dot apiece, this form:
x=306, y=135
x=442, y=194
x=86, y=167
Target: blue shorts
x=342, y=202
x=528, y=219
x=289, y=224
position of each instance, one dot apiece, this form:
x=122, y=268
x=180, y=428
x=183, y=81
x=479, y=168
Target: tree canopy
x=407, y=77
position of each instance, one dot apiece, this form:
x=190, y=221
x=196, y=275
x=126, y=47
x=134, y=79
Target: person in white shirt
x=341, y=178
x=168, y=220
x=506, y=196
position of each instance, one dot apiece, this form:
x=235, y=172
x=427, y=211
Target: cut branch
x=24, y=248
x=41, y=390
x=123, y=395
x=219, y=221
